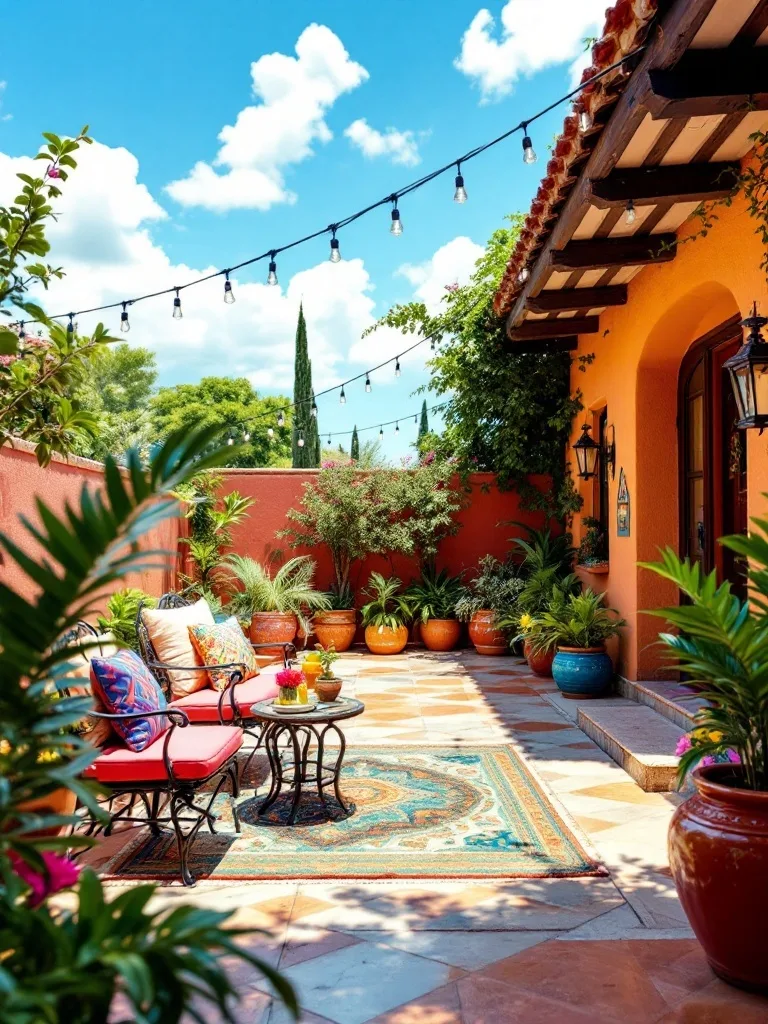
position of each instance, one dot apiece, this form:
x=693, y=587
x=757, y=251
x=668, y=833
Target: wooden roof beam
x=543, y=330
x=675, y=183
x=598, y=253
x=521, y=348
x=564, y=299
x=707, y=82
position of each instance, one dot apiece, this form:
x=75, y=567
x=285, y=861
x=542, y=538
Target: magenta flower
x=732, y=756
x=62, y=874
x=429, y=458
x=683, y=744
x=53, y=172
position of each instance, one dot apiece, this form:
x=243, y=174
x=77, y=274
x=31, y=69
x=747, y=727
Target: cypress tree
x=303, y=394
x=354, y=448
x=424, y=422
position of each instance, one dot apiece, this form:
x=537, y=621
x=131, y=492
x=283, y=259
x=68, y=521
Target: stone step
x=668, y=698
x=638, y=739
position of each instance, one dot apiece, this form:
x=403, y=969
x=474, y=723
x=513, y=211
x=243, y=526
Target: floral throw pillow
x=124, y=683
x=223, y=644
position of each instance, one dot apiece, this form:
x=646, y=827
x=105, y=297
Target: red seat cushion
x=203, y=705
x=194, y=754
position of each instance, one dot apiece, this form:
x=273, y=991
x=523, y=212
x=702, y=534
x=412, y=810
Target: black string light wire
x=333, y=228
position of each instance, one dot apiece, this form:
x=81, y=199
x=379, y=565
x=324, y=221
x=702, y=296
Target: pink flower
x=454, y=287
x=707, y=760
x=53, y=172
x=732, y=756
x=62, y=874
x=429, y=458
x=290, y=677
x=683, y=744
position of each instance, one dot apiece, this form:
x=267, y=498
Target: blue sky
x=320, y=134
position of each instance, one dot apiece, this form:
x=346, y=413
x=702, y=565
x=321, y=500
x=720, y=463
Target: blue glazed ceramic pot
x=582, y=673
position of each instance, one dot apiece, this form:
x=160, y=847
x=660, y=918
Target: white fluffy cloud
x=102, y=238
x=451, y=264
x=400, y=147
x=533, y=36
x=295, y=94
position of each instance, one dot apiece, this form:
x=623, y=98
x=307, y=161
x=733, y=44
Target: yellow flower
x=700, y=734
x=526, y=621
x=47, y=756
x=5, y=748
x=716, y=736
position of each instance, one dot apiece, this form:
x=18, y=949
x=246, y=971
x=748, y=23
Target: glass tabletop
x=323, y=711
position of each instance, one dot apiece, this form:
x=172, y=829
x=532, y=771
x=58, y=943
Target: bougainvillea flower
x=62, y=873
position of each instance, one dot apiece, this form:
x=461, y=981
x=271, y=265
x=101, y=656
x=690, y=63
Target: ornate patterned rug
x=422, y=812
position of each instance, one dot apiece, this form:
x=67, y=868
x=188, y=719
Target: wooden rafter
x=564, y=299
x=676, y=183
x=633, y=251
x=708, y=82
x=540, y=330
x=521, y=348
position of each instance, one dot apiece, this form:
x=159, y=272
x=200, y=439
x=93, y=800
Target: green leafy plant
x=580, y=621
x=593, y=549
x=65, y=966
x=291, y=589
x=496, y=587
x=122, y=609
x=212, y=517
x=387, y=608
x=435, y=595
x=546, y=569
x=722, y=646
x=340, y=599
x=327, y=656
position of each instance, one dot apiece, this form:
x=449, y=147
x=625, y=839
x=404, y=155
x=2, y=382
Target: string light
x=313, y=410
x=335, y=256
x=368, y=383
x=230, y=440
x=300, y=442
x=272, y=275
x=280, y=419
x=628, y=61
x=22, y=334
x=397, y=427
x=432, y=344
x=329, y=439
x=71, y=326
x=523, y=276
x=396, y=227
x=124, y=323
x=381, y=431
x=270, y=432
x=460, y=195
x=342, y=397
x=630, y=215
x=229, y=295
x=398, y=371
x=529, y=153
x=247, y=436
x=177, y=314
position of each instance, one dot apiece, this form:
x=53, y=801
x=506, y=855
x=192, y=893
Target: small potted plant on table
x=577, y=628
x=291, y=687
x=327, y=684
x=433, y=600
x=386, y=615
x=490, y=599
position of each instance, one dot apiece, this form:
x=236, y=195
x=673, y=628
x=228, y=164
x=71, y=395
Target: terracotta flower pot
x=335, y=629
x=484, y=635
x=385, y=640
x=718, y=853
x=59, y=801
x=328, y=689
x=440, y=634
x=273, y=627
x=540, y=664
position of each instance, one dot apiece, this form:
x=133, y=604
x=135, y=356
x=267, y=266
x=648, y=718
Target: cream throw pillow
x=168, y=630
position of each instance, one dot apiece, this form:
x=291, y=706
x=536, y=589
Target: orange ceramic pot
x=59, y=801
x=383, y=640
x=484, y=635
x=540, y=664
x=335, y=629
x=718, y=853
x=440, y=634
x=328, y=689
x=273, y=627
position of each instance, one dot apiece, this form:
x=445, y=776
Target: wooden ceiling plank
x=706, y=82
x=522, y=348
x=754, y=26
x=636, y=250
x=672, y=183
x=542, y=330
x=577, y=298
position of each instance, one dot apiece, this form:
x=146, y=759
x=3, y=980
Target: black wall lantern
x=749, y=375
x=587, y=451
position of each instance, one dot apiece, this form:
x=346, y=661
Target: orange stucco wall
x=635, y=373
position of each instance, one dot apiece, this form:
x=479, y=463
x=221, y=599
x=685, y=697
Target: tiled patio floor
x=612, y=949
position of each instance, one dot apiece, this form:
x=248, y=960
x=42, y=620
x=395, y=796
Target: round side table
x=294, y=767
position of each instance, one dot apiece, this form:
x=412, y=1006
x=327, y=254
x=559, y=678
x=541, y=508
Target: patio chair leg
x=154, y=828
x=232, y=772
x=182, y=841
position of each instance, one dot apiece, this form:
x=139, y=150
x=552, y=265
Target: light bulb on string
x=432, y=344
x=398, y=371
x=585, y=121
x=397, y=427
x=342, y=397
x=246, y=437
x=523, y=276
x=300, y=442
x=329, y=439
x=177, y=306
x=270, y=433
x=272, y=275
x=367, y=384
x=125, y=325
x=415, y=419
x=381, y=431
x=71, y=326
x=22, y=333
x=396, y=227
x=460, y=195
x=313, y=410
x=529, y=153
x=335, y=256
x=230, y=440
x=630, y=214
x=281, y=419
x=229, y=295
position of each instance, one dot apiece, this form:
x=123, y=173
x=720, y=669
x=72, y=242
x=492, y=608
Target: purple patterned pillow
x=125, y=684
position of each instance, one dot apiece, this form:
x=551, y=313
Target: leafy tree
x=304, y=423
x=423, y=422
x=354, y=449
x=38, y=376
x=233, y=404
x=504, y=412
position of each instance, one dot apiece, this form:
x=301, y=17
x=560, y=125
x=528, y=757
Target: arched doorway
x=713, y=455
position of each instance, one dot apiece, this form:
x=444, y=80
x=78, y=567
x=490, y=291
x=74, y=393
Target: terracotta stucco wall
x=22, y=480
x=638, y=354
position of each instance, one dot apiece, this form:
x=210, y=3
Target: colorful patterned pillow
x=124, y=683
x=223, y=644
